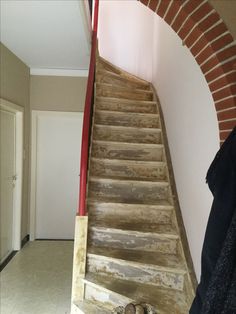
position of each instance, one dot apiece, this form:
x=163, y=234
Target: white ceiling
x=47, y=34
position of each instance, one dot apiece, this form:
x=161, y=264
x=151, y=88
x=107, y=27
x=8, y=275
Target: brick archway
x=202, y=30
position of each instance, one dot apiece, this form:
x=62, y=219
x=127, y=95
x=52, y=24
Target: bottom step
x=117, y=292
x=87, y=307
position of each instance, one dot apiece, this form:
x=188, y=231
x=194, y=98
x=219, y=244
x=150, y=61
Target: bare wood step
x=91, y=307
x=127, y=134
x=108, y=90
x=136, y=272
x=134, y=240
x=138, y=226
x=128, y=169
x=132, y=212
x=106, y=65
x=127, y=151
x=104, y=76
x=153, y=258
x=166, y=301
x=125, y=105
x=130, y=191
x=141, y=120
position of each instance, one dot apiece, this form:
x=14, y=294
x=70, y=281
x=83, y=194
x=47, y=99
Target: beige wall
x=15, y=82
x=227, y=11
x=57, y=93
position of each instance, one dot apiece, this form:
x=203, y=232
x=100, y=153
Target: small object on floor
x=131, y=308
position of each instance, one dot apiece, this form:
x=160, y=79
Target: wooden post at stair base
x=79, y=261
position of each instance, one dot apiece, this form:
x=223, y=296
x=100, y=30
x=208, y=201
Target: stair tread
x=122, y=100
x=137, y=226
x=155, y=206
x=115, y=87
x=137, y=145
x=139, y=114
x=150, y=258
x=90, y=307
x=111, y=200
x=128, y=128
x=122, y=78
x=103, y=71
x=128, y=180
x=166, y=301
x=131, y=162
x=164, y=234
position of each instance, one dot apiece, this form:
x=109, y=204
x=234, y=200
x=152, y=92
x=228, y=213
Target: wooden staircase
x=135, y=249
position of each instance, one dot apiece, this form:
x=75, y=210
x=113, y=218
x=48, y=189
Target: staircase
x=135, y=248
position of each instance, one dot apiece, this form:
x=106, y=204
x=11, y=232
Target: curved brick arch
x=202, y=30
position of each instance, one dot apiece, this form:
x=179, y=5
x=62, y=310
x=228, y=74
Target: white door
x=58, y=144
x=7, y=173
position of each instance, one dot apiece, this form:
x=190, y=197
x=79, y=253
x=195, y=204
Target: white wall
x=123, y=39
x=192, y=128
x=187, y=103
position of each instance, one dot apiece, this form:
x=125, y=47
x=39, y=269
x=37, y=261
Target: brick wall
x=203, y=31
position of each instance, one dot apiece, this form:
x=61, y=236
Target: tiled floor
x=38, y=279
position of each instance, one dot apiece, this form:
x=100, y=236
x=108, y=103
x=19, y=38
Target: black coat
x=216, y=292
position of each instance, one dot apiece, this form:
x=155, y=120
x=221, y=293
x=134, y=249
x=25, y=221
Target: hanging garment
x=216, y=292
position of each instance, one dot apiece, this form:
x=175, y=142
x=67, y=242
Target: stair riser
x=133, y=215
x=141, y=273
x=107, y=298
x=127, y=152
x=129, y=120
x=118, y=105
x=129, y=170
x=110, y=91
x=125, y=192
x=103, y=77
x=128, y=135
x=133, y=241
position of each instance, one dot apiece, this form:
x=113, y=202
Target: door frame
x=19, y=157
x=33, y=187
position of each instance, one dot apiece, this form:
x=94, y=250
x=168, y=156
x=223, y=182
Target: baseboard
x=24, y=240
x=7, y=260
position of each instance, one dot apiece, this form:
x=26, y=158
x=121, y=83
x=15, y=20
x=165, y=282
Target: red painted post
x=86, y=120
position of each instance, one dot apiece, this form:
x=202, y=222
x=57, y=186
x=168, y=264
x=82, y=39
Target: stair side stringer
x=183, y=246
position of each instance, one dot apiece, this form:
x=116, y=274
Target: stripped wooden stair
x=135, y=252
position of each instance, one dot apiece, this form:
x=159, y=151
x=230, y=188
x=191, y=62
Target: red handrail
x=86, y=120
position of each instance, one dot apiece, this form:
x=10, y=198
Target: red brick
x=220, y=70
x=225, y=92
x=224, y=135
x=191, y=5
x=163, y=7
x=227, y=125
x=187, y=28
x=174, y=8
x=226, y=115
x=201, y=12
x=209, y=22
x=225, y=104
x=153, y=4
x=179, y=20
x=227, y=53
x=199, y=45
x=214, y=47
x=223, y=81
x=193, y=37
x=219, y=57
x=215, y=31
x=145, y=2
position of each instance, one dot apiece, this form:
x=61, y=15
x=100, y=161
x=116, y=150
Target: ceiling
x=47, y=35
